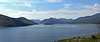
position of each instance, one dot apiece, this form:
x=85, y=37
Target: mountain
x=88, y=19
x=11, y=22
x=36, y=20
x=24, y=20
x=55, y=21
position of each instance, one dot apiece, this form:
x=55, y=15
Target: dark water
x=46, y=33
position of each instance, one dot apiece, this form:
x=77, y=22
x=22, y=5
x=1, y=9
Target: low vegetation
x=92, y=38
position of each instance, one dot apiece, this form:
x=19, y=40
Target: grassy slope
x=92, y=38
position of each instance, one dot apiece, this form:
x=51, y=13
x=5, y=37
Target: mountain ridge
x=88, y=19
x=6, y=21
x=55, y=21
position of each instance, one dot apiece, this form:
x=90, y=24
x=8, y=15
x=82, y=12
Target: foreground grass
x=92, y=38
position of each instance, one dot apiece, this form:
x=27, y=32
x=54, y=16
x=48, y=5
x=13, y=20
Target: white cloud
x=27, y=4
x=5, y=1
x=34, y=14
x=88, y=6
x=47, y=14
x=13, y=1
x=53, y=1
x=8, y=3
x=66, y=6
x=96, y=7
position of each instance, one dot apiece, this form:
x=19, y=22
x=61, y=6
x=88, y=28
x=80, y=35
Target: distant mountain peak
x=22, y=17
x=36, y=20
x=55, y=21
x=52, y=18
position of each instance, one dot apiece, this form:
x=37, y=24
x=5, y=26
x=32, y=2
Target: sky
x=41, y=9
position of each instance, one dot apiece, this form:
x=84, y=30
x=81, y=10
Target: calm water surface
x=46, y=33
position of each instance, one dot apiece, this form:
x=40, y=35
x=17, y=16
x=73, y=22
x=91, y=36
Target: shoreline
x=91, y=38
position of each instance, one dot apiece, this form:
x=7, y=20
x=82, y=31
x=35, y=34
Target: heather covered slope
x=10, y=22
x=26, y=21
x=88, y=19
